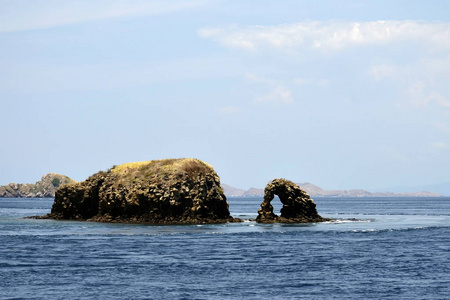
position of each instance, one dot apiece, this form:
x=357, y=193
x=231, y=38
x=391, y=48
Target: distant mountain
x=232, y=191
x=235, y=192
x=47, y=186
x=440, y=188
x=44, y=188
x=315, y=191
x=253, y=192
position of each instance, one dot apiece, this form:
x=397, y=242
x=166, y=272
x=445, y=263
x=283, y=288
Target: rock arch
x=298, y=207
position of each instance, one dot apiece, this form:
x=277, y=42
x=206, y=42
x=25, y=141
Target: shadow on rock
x=298, y=207
x=168, y=191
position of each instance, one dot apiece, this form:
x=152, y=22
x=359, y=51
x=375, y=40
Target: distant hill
x=315, y=191
x=47, y=186
x=440, y=188
x=44, y=188
x=232, y=191
x=235, y=192
x=253, y=192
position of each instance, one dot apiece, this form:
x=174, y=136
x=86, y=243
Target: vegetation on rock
x=168, y=191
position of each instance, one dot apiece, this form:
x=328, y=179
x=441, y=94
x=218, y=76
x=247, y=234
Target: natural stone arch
x=298, y=207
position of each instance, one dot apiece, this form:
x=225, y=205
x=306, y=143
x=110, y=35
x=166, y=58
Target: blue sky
x=342, y=94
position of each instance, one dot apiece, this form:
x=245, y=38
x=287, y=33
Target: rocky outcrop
x=298, y=207
x=45, y=188
x=169, y=191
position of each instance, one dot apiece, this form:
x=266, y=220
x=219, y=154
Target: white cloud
x=422, y=83
x=253, y=78
x=417, y=95
x=439, y=146
x=380, y=72
x=310, y=81
x=230, y=109
x=278, y=95
x=20, y=15
x=420, y=48
x=442, y=127
x=439, y=99
x=331, y=36
x=420, y=96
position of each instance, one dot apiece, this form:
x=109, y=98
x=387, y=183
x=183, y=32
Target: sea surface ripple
x=390, y=248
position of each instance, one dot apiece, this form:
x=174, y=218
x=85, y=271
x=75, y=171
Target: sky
x=341, y=94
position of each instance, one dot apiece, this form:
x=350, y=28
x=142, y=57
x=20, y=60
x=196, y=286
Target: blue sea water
x=378, y=248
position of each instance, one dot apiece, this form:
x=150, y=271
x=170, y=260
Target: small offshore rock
x=298, y=207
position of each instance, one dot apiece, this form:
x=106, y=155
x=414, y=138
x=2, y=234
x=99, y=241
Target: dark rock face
x=170, y=191
x=298, y=207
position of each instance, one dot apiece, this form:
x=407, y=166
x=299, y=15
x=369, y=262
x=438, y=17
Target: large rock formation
x=298, y=207
x=169, y=191
x=45, y=188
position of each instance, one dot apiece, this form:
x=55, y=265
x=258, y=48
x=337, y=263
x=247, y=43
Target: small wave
x=351, y=220
x=383, y=230
x=395, y=213
x=365, y=230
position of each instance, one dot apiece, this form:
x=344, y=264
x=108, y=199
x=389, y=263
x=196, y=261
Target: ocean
x=378, y=248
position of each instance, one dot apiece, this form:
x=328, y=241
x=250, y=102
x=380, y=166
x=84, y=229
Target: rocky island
x=298, y=207
x=168, y=191
x=44, y=188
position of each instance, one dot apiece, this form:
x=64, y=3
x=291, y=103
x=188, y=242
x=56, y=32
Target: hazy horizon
x=341, y=94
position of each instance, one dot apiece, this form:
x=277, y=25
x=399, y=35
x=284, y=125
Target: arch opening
x=277, y=205
x=297, y=206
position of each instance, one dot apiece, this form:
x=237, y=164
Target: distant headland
x=44, y=188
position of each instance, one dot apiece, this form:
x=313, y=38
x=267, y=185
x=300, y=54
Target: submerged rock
x=168, y=191
x=298, y=207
